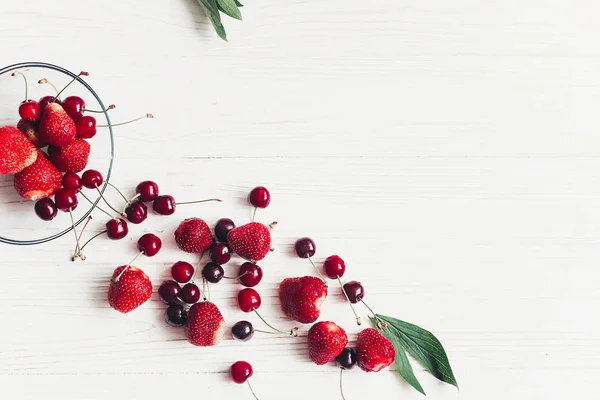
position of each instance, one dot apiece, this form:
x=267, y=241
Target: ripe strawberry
x=374, y=351
x=326, y=341
x=193, y=235
x=29, y=129
x=56, y=127
x=71, y=158
x=205, y=324
x=301, y=298
x=129, y=288
x=16, y=152
x=41, y=179
x=251, y=241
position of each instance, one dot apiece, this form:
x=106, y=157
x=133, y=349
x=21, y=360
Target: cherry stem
x=117, y=189
x=127, y=267
x=252, y=390
x=380, y=323
x=78, y=251
x=254, y=213
x=17, y=73
x=127, y=122
x=84, y=226
x=317, y=271
x=267, y=332
x=347, y=298
x=109, y=206
x=342, y=386
x=198, y=201
x=111, y=107
x=82, y=73
x=98, y=207
x=90, y=239
x=204, y=282
x=44, y=80
x=77, y=246
x=292, y=332
x=273, y=224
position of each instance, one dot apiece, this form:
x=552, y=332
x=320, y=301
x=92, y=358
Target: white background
x=448, y=151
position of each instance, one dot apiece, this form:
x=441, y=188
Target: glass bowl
x=19, y=225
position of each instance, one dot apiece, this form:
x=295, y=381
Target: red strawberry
x=251, y=241
x=205, y=324
x=326, y=341
x=16, y=152
x=374, y=351
x=29, y=129
x=56, y=127
x=71, y=158
x=193, y=235
x=129, y=288
x=301, y=298
x=41, y=179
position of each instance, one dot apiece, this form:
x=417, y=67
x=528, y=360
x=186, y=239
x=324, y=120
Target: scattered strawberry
x=71, y=158
x=29, y=129
x=56, y=127
x=16, y=152
x=326, y=341
x=374, y=351
x=41, y=179
x=193, y=235
x=301, y=298
x=129, y=288
x=251, y=241
x=205, y=324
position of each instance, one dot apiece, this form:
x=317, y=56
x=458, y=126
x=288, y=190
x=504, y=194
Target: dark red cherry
x=149, y=244
x=136, y=212
x=259, y=197
x=164, y=205
x=175, y=315
x=169, y=292
x=92, y=179
x=190, y=293
x=74, y=106
x=242, y=331
x=86, y=127
x=44, y=101
x=305, y=247
x=213, y=272
x=117, y=229
x=347, y=358
x=240, y=372
x=355, y=291
x=334, y=267
x=220, y=253
x=72, y=181
x=30, y=110
x=222, y=228
x=65, y=200
x=248, y=300
x=147, y=190
x=182, y=271
x=250, y=274
x=46, y=209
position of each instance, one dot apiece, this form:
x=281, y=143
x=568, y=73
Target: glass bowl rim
x=37, y=64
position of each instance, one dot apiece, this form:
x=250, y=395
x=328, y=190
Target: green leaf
x=230, y=8
x=212, y=12
x=237, y=3
x=422, y=345
x=402, y=364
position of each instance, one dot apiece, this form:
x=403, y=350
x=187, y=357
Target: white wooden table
x=449, y=151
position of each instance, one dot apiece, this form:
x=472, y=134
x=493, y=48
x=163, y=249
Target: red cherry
x=30, y=110
x=240, y=371
x=74, y=106
x=92, y=179
x=248, y=300
x=260, y=197
x=149, y=244
x=334, y=267
x=182, y=271
x=147, y=190
x=250, y=274
x=355, y=291
x=72, y=181
x=168, y=292
x=136, y=212
x=220, y=253
x=65, y=199
x=117, y=229
x=190, y=293
x=86, y=127
x=164, y=205
x=46, y=209
x=44, y=101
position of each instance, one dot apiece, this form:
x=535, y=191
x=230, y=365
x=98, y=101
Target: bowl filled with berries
x=56, y=152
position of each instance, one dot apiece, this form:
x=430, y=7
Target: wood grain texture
x=448, y=151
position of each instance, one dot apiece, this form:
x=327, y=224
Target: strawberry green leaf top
x=212, y=8
x=421, y=344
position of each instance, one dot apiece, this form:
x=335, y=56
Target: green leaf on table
x=421, y=344
x=402, y=364
x=211, y=9
x=237, y=3
x=230, y=8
